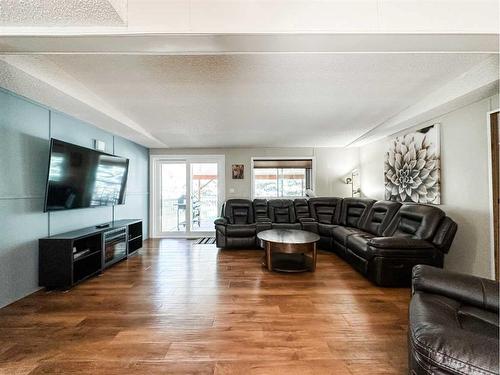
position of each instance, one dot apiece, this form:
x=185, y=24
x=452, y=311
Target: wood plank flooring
x=181, y=308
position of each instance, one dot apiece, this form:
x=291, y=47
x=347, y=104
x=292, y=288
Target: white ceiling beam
x=38, y=79
x=251, y=44
x=479, y=82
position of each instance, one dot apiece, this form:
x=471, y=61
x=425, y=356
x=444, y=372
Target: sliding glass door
x=188, y=192
x=173, y=192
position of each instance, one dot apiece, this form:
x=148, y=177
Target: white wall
x=332, y=164
x=465, y=183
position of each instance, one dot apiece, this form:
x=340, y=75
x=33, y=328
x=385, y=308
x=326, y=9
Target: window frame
x=252, y=172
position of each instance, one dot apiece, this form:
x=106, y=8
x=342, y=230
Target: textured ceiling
x=63, y=13
x=263, y=100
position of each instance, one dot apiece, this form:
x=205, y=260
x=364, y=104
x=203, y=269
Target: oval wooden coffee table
x=289, y=250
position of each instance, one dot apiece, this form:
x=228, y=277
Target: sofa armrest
x=468, y=289
x=220, y=221
x=399, y=243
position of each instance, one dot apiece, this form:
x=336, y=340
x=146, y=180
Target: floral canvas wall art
x=412, y=167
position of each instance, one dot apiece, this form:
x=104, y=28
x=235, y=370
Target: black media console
x=69, y=258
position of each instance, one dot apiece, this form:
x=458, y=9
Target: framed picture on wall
x=238, y=171
x=412, y=167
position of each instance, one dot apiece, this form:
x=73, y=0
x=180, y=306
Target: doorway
x=187, y=195
x=495, y=172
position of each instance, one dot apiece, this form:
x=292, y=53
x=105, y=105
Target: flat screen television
x=80, y=177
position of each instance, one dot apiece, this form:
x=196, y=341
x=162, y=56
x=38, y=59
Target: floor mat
x=205, y=241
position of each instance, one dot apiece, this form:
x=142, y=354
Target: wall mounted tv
x=80, y=177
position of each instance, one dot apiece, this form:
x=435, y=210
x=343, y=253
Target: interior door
x=188, y=193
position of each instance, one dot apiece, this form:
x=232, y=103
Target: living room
x=249, y=187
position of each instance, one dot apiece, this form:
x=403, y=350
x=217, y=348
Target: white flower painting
x=412, y=167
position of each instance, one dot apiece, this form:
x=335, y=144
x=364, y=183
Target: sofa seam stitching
x=428, y=349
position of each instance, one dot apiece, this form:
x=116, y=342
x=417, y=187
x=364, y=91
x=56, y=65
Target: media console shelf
x=69, y=258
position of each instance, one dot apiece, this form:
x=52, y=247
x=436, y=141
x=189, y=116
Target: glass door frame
x=156, y=162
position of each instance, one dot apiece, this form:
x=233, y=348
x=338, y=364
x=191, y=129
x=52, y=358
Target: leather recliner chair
x=406, y=242
x=453, y=323
x=236, y=228
x=325, y=213
x=375, y=223
x=352, y=216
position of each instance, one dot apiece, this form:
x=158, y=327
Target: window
x=279, y=178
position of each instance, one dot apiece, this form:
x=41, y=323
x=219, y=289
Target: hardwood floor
x=180, y=308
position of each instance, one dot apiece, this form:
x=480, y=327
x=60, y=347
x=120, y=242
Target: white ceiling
x=255, y=16
x=263, y=99
x=247, y=73
x=55, y=13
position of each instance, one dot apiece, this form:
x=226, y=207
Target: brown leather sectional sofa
x=453, y=323
x=381, y=239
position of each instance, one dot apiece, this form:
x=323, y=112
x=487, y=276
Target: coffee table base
x=290, y=263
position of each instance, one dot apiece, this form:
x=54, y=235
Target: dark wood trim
x=495, y=188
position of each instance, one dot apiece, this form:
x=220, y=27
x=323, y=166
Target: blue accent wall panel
x=71, y=130
x=25, y=130
x=65, y=221
x=24, y=149
x=23, y=223
x=137, y=198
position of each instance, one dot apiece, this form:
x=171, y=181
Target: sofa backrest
x=260, y=209
x=281, y=211
x=301, y=208
x=379, y=216
x=354, y=211
x=239, y=211
x=325, y=210
x=415, y=221
x=445, y=234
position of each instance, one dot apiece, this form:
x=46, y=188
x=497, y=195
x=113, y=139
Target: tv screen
x=80, y=177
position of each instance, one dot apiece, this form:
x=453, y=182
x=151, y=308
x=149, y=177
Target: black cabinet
x=134, y=237
x=69, y=258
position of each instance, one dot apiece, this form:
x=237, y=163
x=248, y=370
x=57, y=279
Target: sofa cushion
x=415, y=221
x=326, y=229
x=379, y=216
x=340, y=233
x=354, y=211
x=281, y=211
x=301, y=209
x=239, y=211
x=241, y=230
x=474, y=319
x=325, y=210
x=260, y=210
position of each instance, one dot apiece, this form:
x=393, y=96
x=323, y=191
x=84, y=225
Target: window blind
x=283, y=163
